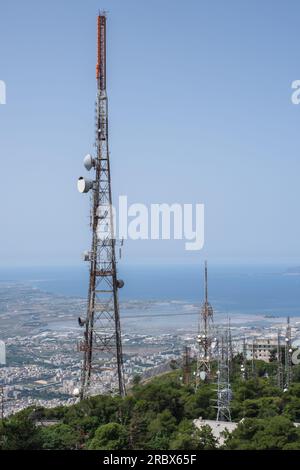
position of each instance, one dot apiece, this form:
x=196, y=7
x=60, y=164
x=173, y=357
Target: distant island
x=294, y=271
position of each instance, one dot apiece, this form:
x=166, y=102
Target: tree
x=161, y=429
x=162, y=395
x=112, y=436
x=260, y=408
x=174, y=364
x=188, y=437
x=275, y=433
x=19, y=433
x=136, y=379
x=254, y=388
x=207, y=439
x=242, y=437
x=138, y=426
x=60, y=437
x=200, y=403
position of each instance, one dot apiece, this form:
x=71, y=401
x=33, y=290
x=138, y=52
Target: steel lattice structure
x=288, y=356
x=102, y=369
x=279, y=363
x=205, y=337
x=224, y=393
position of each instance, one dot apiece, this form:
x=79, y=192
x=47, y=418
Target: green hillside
x=159, y=415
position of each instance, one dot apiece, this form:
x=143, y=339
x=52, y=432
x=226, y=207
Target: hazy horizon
x=200, y=111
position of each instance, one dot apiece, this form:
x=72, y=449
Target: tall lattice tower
x=244, y=360
x=102, y=369
x=205, y=336
x=224, y=393
x=288, y=355
x=279, y=363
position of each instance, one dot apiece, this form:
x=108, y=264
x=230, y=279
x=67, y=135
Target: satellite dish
x=86, y=256
x=81, y=322
x=120, y=283
x=76, y=392
x=84, y=185
x=89, y=162
x=202, y=375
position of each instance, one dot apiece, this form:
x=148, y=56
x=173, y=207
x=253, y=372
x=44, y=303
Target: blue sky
x=200, y=111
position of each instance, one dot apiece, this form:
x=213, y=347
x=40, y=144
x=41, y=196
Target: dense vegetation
x=160, y=414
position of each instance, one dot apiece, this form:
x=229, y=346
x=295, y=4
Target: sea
x=268, y=290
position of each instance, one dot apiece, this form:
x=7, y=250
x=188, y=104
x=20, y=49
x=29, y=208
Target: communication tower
x=205, y=337
x=288, y=356
x=244, y=360
x=279, y=363
x=102, y=369
x=224, y=393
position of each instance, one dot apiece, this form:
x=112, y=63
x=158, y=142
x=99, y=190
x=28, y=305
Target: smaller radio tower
x=244, y=362
x=230, y=341
x=253, y=371
x=279, y=363
x=224, y=393
x=288, y=356
x=205, y=337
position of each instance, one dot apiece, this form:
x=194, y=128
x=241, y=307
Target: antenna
x=101, y=52
x=206, y=284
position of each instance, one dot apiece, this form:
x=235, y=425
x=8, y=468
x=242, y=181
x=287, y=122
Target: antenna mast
x=288, y=355
x=224, y=393
x=279, y=363
x=102, y=369
x=204, y=339
x=244, y=360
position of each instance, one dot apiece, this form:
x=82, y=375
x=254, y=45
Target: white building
x=261, y=348
x=2, y=353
